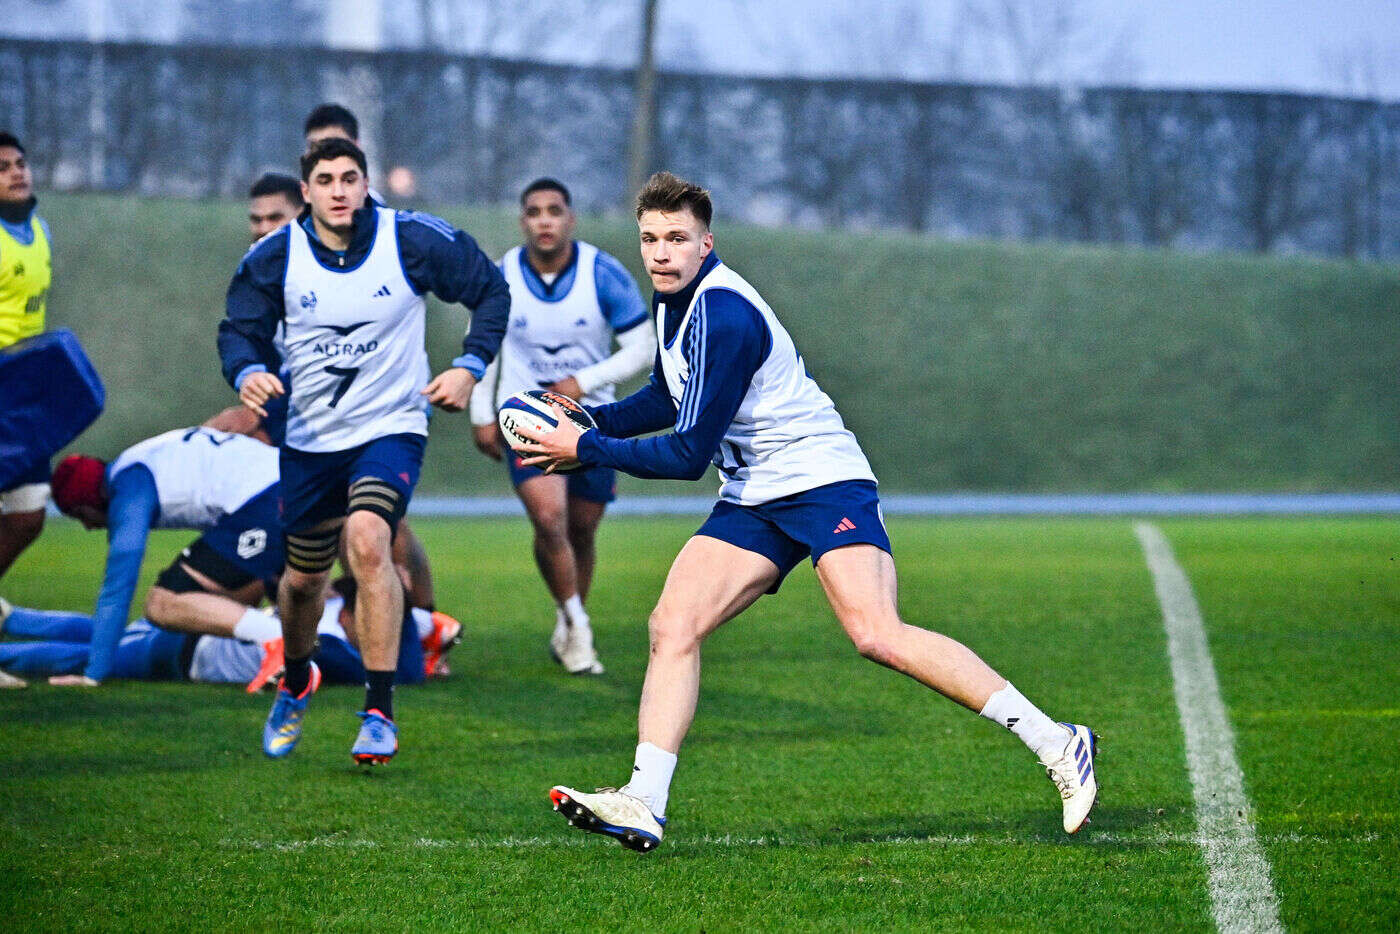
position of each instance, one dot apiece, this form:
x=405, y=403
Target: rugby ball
x=532, y=408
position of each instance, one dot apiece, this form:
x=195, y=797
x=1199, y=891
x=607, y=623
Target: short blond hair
x=669, y=193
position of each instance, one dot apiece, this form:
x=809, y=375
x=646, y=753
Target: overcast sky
x=1299, y=45
x=1320, y=46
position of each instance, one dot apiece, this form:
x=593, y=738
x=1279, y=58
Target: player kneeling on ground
x=192, y=478
x=730, y=383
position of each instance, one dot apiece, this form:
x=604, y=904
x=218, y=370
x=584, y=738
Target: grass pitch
x=816, y=790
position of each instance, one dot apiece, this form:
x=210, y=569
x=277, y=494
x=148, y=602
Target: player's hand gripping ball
x=532, y=408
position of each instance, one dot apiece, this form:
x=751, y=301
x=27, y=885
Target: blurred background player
x=191, y=478
x=269, y=200
x=568, y=301
x=346, y=284
x=334, y=121
x=26, y=270
x=274, y=200
x=61, y=645
x=731, y=385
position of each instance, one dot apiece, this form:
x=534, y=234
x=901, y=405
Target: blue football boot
x=378, y=739
x=283, y=727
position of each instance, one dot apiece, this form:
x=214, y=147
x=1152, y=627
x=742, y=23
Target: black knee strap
x=376, y=496
x=313, y=552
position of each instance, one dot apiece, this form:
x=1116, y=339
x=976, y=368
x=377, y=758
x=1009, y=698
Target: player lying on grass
x=60, y=644
x=344, y=284
x=735, y=392
x=223, y=485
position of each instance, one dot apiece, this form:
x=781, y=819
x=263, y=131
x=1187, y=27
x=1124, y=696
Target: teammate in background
x=273, y=201
x=269, y=201
x=568, y=300
x=61, y=644
x=330, y=121
x=26, y=269
x=333, y=121
x=346, y=282
x=795, y=483
x=190, y=478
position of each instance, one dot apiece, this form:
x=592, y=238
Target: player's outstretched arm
x=440, y=259
x=648, y=409
x=725, y=345
x=133, y=507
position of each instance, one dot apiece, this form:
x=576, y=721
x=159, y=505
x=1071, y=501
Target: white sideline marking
x=1240, y=889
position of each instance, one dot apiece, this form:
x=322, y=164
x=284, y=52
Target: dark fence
x=1194, y=170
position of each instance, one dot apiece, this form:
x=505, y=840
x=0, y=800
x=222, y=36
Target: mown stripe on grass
x=1240, y=888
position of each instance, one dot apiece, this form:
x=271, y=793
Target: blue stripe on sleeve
x=726, y=342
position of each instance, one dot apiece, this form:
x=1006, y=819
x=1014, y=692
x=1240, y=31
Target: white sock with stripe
x=1009, y=708
x=651, y=777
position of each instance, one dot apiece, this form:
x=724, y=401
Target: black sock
x=379, y=692
x=297, y=675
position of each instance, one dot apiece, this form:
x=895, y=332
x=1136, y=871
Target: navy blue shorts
x=812, y=523
x=38, y=472
x=250, y=539
x=594, y=484
x=316, y=485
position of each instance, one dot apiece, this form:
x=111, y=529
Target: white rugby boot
x=572, y=647
x=612, y=813
x=1072, y=771
x=10, y=682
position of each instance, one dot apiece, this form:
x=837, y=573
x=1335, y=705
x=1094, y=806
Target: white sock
x=560, y=618
x=574, y=613
x=257, y=626
x=1009, y=708
x=423, y=622
x=651, y=777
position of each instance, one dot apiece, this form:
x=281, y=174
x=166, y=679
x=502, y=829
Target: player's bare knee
x=302, y=586
x=552, y=534
x=158, y=606
x=872, y=636
x=672, y=632
x=367, y=542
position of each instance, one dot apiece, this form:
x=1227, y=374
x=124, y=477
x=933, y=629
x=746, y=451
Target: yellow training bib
x=25, y=274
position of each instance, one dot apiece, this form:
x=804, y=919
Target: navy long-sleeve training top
x=455, y=270
x=726, y=341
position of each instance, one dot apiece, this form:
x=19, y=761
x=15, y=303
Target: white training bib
x=549, y=340
x=354, y=346
x=201, y=474
x=787, y=436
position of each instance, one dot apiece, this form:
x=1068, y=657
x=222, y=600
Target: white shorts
x=30, y=497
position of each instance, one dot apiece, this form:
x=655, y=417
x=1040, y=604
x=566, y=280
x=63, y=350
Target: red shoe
x=447, y=632
x=273, y=664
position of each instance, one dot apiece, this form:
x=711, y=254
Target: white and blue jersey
x=355, y=353
x=189, y=478
x=354, y=322
x=565, y=327
x=200, y=474
x=730, y=382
